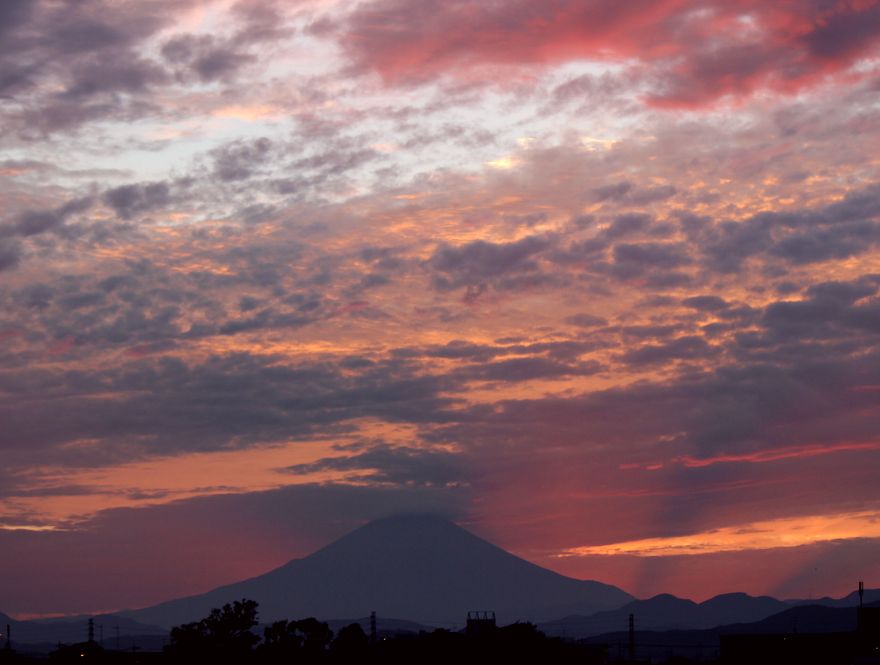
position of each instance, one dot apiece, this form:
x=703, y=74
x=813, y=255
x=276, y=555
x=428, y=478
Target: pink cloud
x=694, y=52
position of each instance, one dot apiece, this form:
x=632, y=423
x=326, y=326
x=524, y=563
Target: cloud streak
x=760, y=535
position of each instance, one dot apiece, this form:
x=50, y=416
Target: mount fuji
x=417, y=567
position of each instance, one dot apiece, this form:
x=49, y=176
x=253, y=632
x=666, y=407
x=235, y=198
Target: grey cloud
x=734, y=409
x=845, y=292
x=566, y=350
x=514, y=370
x=165, y=406
x=13, y=13
x=594, y=90
x=241, y=159
x=92, y=50
x=260, y=23
x=395, y=465
x=706, y=303
x=455, y=349
x=731, y=243
x=625, y=192
x=625, y=225
x=655, y=264
x=130, y=200
x=613, y=192
x=838, y=230
x=639, y=256
x=836, y=242
x=646, y=195
x=248, y=303
x=211, y=59
x=35, y=296
x=10, y=254
x=584, y=320
x=342, y=157
x=100, y=75
x=830, y=310
x=219, y=63
x=856, y=206
x=650, y=331
x=34, y=222
x=86, y=48
x=683, y=348
x=479, y=262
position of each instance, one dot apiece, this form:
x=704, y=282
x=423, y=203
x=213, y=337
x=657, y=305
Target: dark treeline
x=227, y=635
x=231, y=634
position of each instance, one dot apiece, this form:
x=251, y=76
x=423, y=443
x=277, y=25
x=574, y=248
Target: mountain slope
x=420, y=568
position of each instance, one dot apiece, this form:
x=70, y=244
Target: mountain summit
x=416, y=567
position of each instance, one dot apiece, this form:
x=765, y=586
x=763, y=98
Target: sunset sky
x=598, y=280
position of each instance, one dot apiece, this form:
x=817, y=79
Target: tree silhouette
x=316, y=635
x=282, y=643
x=287, y=641
x=351, y=641
x=225, y=634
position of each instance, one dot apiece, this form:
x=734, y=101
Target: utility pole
x=860, y=613
x=632, y=638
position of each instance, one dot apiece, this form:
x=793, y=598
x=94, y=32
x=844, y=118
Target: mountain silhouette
x=42, y=635
x=738, y=608
x=420, y=568
x=850, y=600
x=667, y=612
x=704, y=644
x=804, y=619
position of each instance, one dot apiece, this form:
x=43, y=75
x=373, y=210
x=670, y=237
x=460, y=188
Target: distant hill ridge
x=704, y=644
x=665, y=612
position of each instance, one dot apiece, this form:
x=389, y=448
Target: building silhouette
x=480, y=623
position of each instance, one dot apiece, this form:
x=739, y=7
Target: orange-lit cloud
x=760, y=535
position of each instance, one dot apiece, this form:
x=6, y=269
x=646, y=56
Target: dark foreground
x=227, y=635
